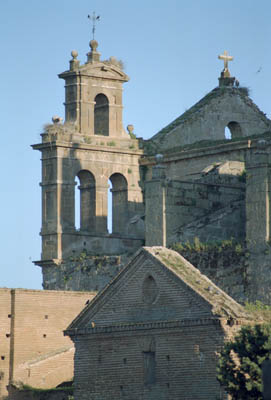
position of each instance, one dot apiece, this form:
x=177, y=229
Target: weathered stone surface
x=178, y=329
x=83, y=272
x=189, y=180
x=207, y=119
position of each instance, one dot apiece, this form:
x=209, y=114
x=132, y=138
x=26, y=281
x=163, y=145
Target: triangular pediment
x=104, y=70
x=157, y=285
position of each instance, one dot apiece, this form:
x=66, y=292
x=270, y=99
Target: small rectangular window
x=149, y=367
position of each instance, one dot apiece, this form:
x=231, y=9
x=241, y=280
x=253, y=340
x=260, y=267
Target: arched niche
x=87, y=188
x=233, y=130
x=101, y=115
x=119, y=203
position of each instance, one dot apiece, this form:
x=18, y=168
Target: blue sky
x=169, y=49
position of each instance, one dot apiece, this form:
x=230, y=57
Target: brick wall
x=112, y=366
x=166, y=348
x=5, y=329
x=36, y=352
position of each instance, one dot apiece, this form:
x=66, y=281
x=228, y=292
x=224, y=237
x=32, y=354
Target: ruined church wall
x=189, y=164
x=207, y=120
x=227, y=265
x=36, y=351
x=83, y=272
x=209, y=211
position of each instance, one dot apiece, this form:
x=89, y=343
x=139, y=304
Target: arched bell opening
x=85, y=203
x=233, y=130
x=101, y=115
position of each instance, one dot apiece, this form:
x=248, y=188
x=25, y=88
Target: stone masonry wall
x=33, y=349
x=83, y=272
x=226, y=264
x=194, y=203
x=207, y=119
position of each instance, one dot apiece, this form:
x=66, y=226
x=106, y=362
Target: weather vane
x=93, y=19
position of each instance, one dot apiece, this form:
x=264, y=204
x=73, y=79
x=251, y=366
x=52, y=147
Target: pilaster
x=258, y=185
x=155, y=197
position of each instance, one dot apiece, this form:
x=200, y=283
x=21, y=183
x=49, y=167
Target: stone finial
x=130, y=128
x=74, y=54
x=93, y=44
x=74, y=63
x=93, y=55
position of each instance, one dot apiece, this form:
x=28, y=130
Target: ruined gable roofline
x=176, y=266
x=222, y=304
x=100, y=294
x=190, y=113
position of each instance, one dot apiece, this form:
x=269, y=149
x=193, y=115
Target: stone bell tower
x=93, y=98
x=92, y=146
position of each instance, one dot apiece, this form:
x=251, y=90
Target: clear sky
x=169, y=49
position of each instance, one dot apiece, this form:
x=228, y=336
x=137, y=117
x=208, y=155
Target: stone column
x=87, y=207
x=155, y=196
x=101, y=208
x=119, y=210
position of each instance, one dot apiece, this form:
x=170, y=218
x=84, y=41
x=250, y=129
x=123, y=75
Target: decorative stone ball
x=74, y=54
x=93, y=45
x=159, y=158
x=130, y=128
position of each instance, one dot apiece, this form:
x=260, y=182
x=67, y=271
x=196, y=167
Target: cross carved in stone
x=225, y=57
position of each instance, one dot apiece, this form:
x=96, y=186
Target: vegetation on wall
x=233, y=249
x=63, y=391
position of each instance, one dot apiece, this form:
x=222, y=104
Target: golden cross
x=226, y=58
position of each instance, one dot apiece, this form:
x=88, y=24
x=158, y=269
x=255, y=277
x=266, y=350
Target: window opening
x=227, y=133
x=233, y=130
x=101, y=115
x=149, y=367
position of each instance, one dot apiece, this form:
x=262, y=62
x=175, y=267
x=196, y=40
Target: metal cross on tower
x=225, y=57
x=93, y=19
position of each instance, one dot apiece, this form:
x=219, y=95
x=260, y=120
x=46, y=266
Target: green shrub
x=239, y=367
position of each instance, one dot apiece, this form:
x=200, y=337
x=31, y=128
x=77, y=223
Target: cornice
x=145, y=326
